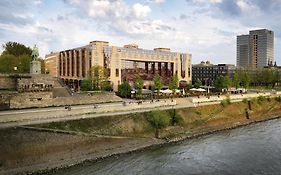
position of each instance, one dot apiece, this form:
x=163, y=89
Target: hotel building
x=122, y=64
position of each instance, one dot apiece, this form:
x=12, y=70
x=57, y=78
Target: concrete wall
x=232, y=97
x=43, y=99
x=7, y=82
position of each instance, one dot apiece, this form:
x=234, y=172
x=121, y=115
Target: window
x=117, y=72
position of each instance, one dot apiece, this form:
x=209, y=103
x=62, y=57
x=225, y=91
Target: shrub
x=225, y=102
x=261, y=98
x=158, y=119
x=278, y=98
x=176, y=119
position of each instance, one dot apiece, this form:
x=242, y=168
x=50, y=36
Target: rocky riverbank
x=48, y=147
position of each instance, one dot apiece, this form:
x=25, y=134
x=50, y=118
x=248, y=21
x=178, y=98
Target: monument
x=35, y=64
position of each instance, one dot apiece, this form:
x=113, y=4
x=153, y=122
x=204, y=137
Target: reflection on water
x=254, y=149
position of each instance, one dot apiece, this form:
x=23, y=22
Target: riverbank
x=70, y=143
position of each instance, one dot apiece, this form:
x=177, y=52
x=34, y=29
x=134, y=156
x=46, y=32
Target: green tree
x=7, y=63
x=236, y=80
x=245, y=79
x=157, y=84
x=197, y=83
x=97, y=75
x=174, y=83
x=222, y=82
x=139, y=85
x=124, y=89
x=158, y=119
x=86, y=85
x=16, y=49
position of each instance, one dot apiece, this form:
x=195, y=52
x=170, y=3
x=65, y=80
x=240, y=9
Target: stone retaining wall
x=43, y=99
x=232, y=97
x=7, y=82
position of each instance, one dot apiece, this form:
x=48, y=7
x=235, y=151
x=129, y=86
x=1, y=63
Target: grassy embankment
x=193, y=120
x=28, y=151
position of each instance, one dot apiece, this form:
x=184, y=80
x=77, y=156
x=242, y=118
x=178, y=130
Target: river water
x=254, y=149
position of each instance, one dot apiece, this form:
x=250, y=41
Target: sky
x=205, y=28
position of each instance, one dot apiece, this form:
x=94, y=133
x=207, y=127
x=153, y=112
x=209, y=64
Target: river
x=250, y=150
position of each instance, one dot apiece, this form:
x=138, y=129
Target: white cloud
x=140, y=10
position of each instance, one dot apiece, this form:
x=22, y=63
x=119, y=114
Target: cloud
x=15, y=12
x=141, y=11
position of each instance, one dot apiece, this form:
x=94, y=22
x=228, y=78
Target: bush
x=158, y=119
x=176, y=119
x=86, y=85
x=261, y=98
x=278, y=98
x=225, y=102
x=106, y=86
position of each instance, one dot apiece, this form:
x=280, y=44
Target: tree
x=222, y=82
x=157, y=84
x=97, y=75
x=236, y=80
x=174, y=83
x=7, y=63
x=86, y=85
x=19, y=56
x=124, y=89
x=245, y=79
x=139, y=85
x=158, y=119
x=16, y=49
x=197, y=83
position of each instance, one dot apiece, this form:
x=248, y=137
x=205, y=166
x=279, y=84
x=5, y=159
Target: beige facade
x=123, y=63
x=51, y=64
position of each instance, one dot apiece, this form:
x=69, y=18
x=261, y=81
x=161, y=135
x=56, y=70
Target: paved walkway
x=54, y=114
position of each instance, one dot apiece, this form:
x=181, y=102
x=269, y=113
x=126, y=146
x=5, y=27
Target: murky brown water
x=250, y=150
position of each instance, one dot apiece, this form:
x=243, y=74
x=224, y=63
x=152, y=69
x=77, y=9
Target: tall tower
x=243, y=50
x=255, y=50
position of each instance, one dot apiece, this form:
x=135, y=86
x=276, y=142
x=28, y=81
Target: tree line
x=265, y=77
x=16, y=58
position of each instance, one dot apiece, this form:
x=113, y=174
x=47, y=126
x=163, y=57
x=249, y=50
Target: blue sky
x=205, y=28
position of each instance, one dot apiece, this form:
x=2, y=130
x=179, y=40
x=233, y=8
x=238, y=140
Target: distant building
x=123, y=64
x=207, y=72
x=255, y=50
x=51, y=64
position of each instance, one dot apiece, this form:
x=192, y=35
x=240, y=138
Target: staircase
x=61, y=89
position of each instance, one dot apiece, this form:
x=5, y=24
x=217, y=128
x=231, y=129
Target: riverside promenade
x=23, y=117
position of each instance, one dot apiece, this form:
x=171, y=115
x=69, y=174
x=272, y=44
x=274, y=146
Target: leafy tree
x=158, y=119
x=197, y=83
x=97, y=75
x=139, y=85
x=124, y=89
x=174, y=83
x=157, y=83
x=86, y=85
x=236, y=80
x=20, y=57
x=245, y=79
x=7, y=63
x=222, y=82
x=16, y=49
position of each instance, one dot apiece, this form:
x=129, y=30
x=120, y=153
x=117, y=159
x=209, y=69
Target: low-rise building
x=207, y=72
x=122, y=64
